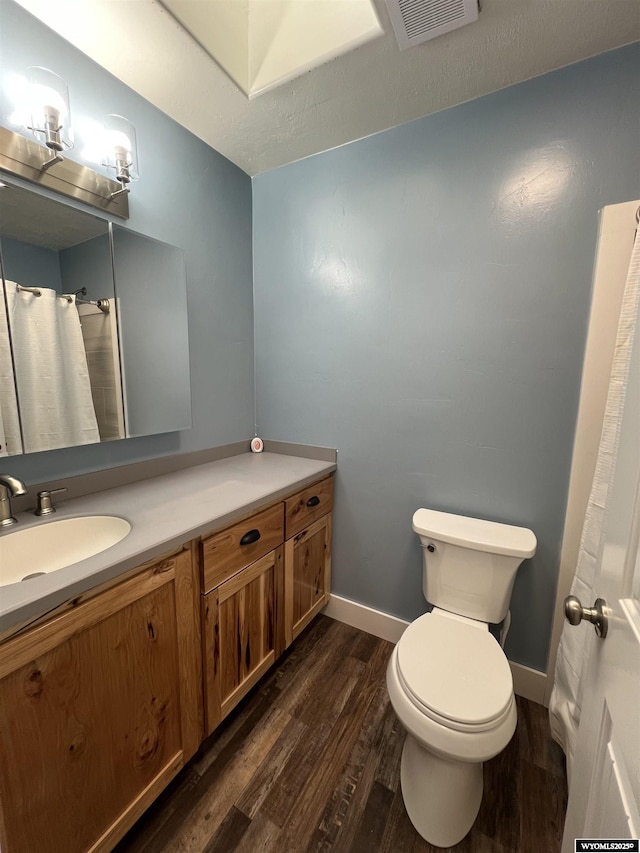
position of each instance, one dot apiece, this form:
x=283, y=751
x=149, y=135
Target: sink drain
x=33, y=575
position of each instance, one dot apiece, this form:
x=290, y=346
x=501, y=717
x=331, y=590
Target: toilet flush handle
x=431, y=548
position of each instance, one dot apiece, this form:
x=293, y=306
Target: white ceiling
x=371, y=88
x=264, y=43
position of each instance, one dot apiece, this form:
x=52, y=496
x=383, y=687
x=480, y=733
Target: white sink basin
x=56, y=544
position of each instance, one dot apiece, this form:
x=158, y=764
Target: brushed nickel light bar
x=27, y=159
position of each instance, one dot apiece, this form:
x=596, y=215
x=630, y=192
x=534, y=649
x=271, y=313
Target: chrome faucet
x=10, y=487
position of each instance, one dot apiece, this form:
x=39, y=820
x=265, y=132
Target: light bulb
x=118, y=139
x=48, y=99
x=48, y=102
x=121, y=154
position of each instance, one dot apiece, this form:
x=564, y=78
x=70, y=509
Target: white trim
x=615, y=243
x=365, y=618
x=527, y=682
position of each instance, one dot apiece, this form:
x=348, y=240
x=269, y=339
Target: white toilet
x=448, y=679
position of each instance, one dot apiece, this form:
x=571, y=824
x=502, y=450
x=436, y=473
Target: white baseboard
x=365, y=618
x=527, y=682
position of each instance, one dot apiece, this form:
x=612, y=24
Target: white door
x=604, y=799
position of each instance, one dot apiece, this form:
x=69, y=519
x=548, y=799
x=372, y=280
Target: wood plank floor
x=310, y=761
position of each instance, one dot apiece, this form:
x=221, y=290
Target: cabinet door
x=307, y=576
x=243, y=634
x=94, y=713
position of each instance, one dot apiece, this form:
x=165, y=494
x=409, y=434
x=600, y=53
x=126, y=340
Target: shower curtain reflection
x=100, y=335
x=10, y=437
x=51, y=373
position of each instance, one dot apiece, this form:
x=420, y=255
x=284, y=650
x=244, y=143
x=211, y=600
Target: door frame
x=616, y=230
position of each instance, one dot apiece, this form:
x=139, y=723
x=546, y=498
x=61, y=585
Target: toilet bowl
x=458, y=708
x=448, y=679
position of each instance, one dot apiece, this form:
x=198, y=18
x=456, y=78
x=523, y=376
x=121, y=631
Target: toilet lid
x=454, y=670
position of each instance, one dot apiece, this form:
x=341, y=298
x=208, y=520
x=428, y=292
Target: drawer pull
x=313, y=501
x=250, y=537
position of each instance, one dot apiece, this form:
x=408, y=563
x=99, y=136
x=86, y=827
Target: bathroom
x=418, y=299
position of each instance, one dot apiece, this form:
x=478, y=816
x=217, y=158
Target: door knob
x=574, y=613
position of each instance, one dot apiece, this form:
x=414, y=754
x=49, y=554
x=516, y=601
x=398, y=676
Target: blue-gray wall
x=189, y=196
x=31, y=266
x=88, y=265
x=421, y=303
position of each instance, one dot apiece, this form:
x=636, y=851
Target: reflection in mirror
x=64, y=364
x=81, y=359
x=151, y=293
x=10, y=432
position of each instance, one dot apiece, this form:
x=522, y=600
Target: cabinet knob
x=313, y=501
x=250, y=537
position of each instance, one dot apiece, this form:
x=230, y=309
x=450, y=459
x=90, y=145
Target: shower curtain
x=566, y=698
x=10, y=439
x=52, y=378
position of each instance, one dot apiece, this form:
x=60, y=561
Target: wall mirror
x=93, y=329
x=151, y=295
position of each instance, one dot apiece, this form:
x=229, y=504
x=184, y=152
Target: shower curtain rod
x=37, y=292
x=102, y=304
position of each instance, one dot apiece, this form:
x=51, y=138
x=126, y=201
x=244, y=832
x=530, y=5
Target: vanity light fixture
x=50, y=115
x=40, y=98
x=121, y=151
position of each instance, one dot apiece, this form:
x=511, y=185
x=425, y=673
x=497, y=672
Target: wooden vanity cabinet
x=99, y=709
x=261, y=591
x=102, y=702
x=307, y=555
x=242, y=618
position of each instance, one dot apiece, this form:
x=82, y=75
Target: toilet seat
x=454, y=673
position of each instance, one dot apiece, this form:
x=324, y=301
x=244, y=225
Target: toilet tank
x=470, y=565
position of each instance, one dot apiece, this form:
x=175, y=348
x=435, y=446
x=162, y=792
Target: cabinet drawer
x=308, y=505
x=230, y=550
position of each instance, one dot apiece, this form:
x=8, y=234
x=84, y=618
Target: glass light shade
x=48, y=97
x=121, y=150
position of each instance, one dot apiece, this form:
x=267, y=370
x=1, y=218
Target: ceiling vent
x=415, y=21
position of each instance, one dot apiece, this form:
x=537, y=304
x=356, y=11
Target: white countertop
x=164, y=512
